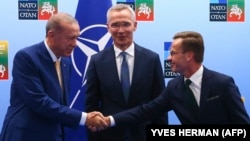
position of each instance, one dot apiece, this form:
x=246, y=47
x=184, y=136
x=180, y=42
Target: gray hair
x=54, y=22
x=120, y=7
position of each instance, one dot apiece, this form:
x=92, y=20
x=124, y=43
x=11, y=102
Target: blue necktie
x=125, y=82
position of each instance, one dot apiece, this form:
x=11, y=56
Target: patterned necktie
x=190, y=96
x=58, y=71
x=125, y=82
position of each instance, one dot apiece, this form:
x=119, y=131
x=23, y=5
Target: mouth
x=172, y=65
x=121, y=37
x=69, y=50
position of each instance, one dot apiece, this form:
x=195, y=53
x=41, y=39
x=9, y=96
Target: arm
x=142, y=113
x=234, y=103
x=158, y=87
x=137, y=115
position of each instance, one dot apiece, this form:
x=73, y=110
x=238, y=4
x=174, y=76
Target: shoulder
x=145, y=51
x=176, y=80
x=217, y=76
x=103, y=53
x=31, y=50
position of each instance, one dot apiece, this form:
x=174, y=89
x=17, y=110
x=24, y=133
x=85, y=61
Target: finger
x=92, y=128
x=95, y=113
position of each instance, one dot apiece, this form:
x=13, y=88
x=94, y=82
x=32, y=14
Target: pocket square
x=213, y=98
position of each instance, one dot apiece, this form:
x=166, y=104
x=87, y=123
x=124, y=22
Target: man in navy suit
x=216, y=94
x=103, y=88
x=38, y=110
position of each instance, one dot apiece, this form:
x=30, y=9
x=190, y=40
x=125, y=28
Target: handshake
x=96, y=121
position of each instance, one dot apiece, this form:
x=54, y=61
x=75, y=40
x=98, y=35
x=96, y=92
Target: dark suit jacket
x=104, y=92
x=220, y=103
x=36, y=112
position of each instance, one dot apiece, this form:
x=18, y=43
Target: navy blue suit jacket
x=104, y=91
x=36, y=111
x=220, y=103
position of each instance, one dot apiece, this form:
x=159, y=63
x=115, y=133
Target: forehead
x=176, y=44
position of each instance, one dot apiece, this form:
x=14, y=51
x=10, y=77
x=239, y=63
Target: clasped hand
x=96, y=121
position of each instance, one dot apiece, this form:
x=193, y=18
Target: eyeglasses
x=123, y=25
x=172, y=53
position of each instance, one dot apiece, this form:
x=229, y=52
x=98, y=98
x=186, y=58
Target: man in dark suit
x=217, y=98
x=104, y=89
x=38, y=110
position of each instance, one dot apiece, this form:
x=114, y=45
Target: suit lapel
x=47, y=60
x=48, y=63
x=111, y=77
x=205, y=87
x=109, y=64
x=65, y=77
x=138, y=65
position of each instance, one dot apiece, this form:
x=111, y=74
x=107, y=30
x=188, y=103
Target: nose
x=74, y=42
x=120, y=29
x=169, y=57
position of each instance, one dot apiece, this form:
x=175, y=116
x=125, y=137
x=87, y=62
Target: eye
x=115, y=25
x=126, y=24
x=118, y=25
x=172, y=53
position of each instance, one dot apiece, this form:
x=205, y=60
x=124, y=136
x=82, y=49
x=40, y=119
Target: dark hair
x=192, y=41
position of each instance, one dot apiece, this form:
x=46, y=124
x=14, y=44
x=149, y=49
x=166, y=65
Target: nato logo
x=28, y=10
x=36, y=9
x=227, y=10
x=89, y=45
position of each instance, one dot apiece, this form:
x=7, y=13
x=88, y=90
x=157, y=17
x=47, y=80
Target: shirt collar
x=130, y=50
x=197, y=76
x=51, y=53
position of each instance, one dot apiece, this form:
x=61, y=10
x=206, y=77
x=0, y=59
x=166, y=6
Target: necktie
x=59, y=74
x=190, y=97
x=125, y=82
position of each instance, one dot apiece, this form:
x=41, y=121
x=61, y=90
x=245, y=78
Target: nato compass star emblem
x=92, y=40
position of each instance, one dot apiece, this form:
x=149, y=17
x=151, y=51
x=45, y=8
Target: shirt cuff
x=112, y=121
x=83, y=119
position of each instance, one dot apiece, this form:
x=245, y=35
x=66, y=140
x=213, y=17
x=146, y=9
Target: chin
x=67, y=54
x=173, y=69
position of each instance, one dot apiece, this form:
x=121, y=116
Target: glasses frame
x=172, y=53
x=119, y=25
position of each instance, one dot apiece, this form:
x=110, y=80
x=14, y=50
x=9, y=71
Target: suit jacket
x=36, y=112
x=104, y=91
x=220, y=103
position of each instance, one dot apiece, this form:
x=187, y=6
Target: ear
x=51, y=33
x=135, y=26
x=108, y=27
x=189, y=55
